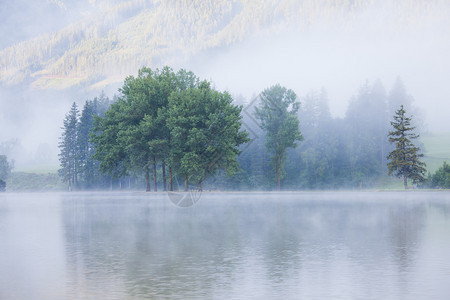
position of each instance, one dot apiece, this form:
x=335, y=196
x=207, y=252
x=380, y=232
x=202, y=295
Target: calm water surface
x=228, y=246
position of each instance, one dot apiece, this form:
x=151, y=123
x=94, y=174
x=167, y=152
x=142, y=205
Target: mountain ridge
x=123, y=36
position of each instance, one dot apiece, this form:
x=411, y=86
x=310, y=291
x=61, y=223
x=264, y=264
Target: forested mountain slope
x=95, y=43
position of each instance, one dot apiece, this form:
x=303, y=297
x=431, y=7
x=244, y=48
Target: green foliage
x=176, y=123
x=5, y=167
x=441, y=178
x=169, y=118
x=133, y=135
x=78, y=168
x=5, y=171
x=336, y=153
x=104, y=137
x=68, y=147
x=88, y=167
x=205, y=132
x=405, y=158
x=277, y=114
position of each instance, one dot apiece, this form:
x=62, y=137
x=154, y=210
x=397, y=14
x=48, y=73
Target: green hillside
x=121, y=36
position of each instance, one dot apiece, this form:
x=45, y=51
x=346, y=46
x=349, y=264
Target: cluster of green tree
x=172, y=125
x=123, y=36
x=78, y=168
x=440, y=179
x=5, y=171
x=162, y=120
x=349, y=152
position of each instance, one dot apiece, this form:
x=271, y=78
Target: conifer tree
x=85, y=163
x=88, y=167
x=404, y=160
x=68, y=148
x=5, y=171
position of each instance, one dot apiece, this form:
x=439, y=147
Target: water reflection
x=298, y=245
x=31, y=247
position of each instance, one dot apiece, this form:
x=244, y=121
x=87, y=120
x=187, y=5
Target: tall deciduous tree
x=277, y=113
x=205, y=132
x=139, y=108
x=68, y=147
x=168, y=82
x=404, y=160
x=105, y=137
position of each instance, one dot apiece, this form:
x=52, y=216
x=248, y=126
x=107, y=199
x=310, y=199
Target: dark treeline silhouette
x=335, y=153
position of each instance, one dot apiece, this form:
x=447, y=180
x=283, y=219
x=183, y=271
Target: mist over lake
x=331, y=245
x=224, y=149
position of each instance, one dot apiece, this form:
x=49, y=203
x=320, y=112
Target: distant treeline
x=348, y=152
x=174, y=130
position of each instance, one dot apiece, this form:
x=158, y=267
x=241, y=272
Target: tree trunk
x=185, y=182
x=111, y=184
x=170, y=179
x=163, y=166
x=155, y=186
x=200, y=185
x=405, y=182
x=278, y=172
x=147, y=179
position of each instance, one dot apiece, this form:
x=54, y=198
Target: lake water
x=227, y=246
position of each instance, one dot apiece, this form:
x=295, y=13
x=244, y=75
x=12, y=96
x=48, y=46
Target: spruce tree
x=68, y=155
x=88, y=167
x=85, y=148
x=404, y=160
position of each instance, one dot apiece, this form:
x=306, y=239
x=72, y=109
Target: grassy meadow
x=436, y=150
